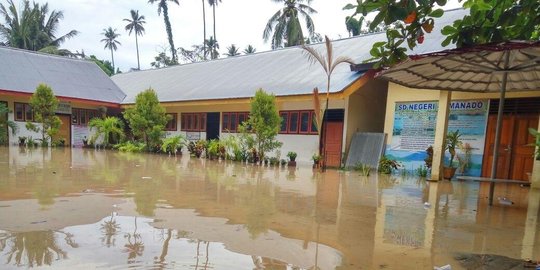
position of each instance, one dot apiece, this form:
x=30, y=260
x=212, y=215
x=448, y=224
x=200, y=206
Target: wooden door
x=522, y=149
x=332, y=143
x=64, y=132
x=515, y=153
x=507, y=130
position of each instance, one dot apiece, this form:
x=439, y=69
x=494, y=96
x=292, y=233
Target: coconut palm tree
x=32, y=28
x=109, y=128
x=162, y=6
x=213, y=4
x=328, y=62
x=213, y=46
x=249, y=50
x=284, y=28
x=232, y=51
x=111, y=42
x=136, y=23
x=6, y=124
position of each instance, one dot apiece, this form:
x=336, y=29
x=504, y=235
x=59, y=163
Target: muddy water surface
x=86, y=209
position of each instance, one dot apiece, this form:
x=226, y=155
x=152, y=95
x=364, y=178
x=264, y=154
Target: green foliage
x=452, y=141
x=250, y=49
x=422, y=171
x=292, y=156
x=490, y=21
x=386, y=165
x=162, y=60
x=236, y=147
x=215, y=150
x=147, y=118
x=110, y=129
x=264, y=123
x=164, y=8
x=130, y=147
x=6, y=125
x=136, y=24
x=364, y=169
x=284, y=28
x=316, y=158
x=31, y=26
x=44, y=105
x=105, y=65
x=197, y=148
x=111, y=41
x=232, y=51
x=536, y=144
x=173, y=144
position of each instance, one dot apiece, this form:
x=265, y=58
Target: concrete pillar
x=440, y=134
x=535, y=176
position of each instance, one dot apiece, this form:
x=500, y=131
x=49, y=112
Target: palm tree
x=232, y=51
x=136, y=23
x=111, y=42
x=284, y=26
x=213, y=4
x=328, y=63
x=33, y=28
x=6, y=124
x=162, y=6
x=213, y=45
x=249, y=50
x=110, y=128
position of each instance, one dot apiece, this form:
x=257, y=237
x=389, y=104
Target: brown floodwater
x=86, y=209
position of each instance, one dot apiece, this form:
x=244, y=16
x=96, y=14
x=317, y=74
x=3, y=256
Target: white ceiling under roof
x=282, y=72
x=23, y=71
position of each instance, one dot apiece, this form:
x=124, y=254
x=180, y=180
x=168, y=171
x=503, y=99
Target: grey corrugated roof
x=23, y=71
x=282, y=72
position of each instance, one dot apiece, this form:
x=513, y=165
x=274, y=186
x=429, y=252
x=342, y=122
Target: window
x=81, y=117
x=298, y=122
x=232, y=120
x=23, y=112
x=171, y=124
x=192, y=122
x=293, y=122
x=284, y=122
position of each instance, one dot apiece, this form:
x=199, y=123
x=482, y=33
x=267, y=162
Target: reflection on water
x=80, y=208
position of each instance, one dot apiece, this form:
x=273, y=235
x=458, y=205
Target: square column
x=441, y=128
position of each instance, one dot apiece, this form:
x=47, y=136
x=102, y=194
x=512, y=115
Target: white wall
x=22, y=131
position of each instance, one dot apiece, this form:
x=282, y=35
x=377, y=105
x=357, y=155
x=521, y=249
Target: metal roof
x=23, y=71
x=481, y=68
x=282, y=72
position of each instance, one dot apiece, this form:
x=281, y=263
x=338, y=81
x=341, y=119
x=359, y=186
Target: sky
x=239, y=22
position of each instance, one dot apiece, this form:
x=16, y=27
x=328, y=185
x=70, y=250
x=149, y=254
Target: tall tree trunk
x=137, y=45
x=214, y=14
x=112, y=59
x=169, y=31
x=204, y=29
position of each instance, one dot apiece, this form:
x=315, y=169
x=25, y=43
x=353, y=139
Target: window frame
x=192, y=122
x=89, y=114
x=173, y=121
x=288, y=116
x=25, y=106
x=227, y=126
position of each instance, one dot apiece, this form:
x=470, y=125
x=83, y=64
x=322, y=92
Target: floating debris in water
x=444, y=267
x=505, y=201
x=37, y=222
x=427, y=205
x=146, y=177
x=137, y=165
x=87, y=190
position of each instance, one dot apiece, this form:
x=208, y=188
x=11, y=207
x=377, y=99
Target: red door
x=332, y=143
x=515, y=149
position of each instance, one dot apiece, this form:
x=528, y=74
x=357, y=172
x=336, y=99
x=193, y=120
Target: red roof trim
x=82, y=100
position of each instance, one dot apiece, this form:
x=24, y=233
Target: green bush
x=292, y=156
x=364, y=169
x=173, y=144
x=130, y=147
x=422, y=171
x=386, y=165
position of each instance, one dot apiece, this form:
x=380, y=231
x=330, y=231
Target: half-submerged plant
x=386, y=165
x=422, y=171
x=536, y=143
x=173, y=145
x=364, y=169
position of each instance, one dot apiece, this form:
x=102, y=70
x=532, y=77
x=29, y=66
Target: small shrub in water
x=422, y=171
x=386, y=165
x=364, y=169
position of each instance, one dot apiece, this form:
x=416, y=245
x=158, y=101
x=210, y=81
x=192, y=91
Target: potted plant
x=452, y=142
x=386, y=165
x=22, y=141
x=292, y=158
x=316, y=160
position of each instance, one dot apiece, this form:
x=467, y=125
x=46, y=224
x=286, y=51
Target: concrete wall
x=365, y=110
x=77, y=131
x=398, y=93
